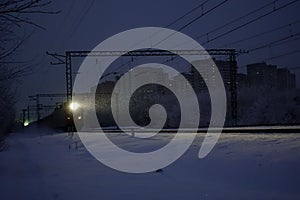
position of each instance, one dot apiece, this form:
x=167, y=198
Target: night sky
x=81, y=25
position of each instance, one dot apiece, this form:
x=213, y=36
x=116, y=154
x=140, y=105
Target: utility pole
x=23, y=116
x=67, y=61
x=28, y=113
x=69, y=81
x=36, y=98
x=233, y=89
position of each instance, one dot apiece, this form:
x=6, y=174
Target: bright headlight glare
x=74, y=106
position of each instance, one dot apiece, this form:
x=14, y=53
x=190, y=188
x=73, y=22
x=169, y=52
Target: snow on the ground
x=39, y=165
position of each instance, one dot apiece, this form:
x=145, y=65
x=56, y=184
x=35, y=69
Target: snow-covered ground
x=39, y=165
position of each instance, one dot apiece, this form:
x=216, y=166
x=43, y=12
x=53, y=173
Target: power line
x=273, y=43
x=287, y=41
x=194, y=20
x=83, y=16
x=181, y=17
x=251, y=21
x=256, y=19
x=187, y=13
x=200, y=16
x=282, y=55
x=275, y=57
x=178, y=19
x=236, y=19
x=262, y=33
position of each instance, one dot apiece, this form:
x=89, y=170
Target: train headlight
x=74, y=106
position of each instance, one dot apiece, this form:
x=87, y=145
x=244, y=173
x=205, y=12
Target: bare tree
x=15, y=14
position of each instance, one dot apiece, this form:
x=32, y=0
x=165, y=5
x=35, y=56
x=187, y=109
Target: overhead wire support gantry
x=37, y=97
x=231, y=53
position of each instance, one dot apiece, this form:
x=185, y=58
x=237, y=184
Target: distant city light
x=74, y=106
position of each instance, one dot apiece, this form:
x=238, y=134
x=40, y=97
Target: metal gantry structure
x=38, y=106
x=27, y=113
x=231, y=53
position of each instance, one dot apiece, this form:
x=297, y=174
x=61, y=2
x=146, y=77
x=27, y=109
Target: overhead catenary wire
x=83, y=16
x=243, y=25
x=282, y=55
x=187, y=13
x=236, y=19
x=274, y=57
x=201, y=5
x=203, y=14
x=193, y=20
x=286, y=41
x=273, y=43
x=254, y=20
x=186, y=25
x=274, y=9
x=251, y=21
x=261, y=34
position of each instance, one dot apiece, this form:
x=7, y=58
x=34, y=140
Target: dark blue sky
x=81, y=25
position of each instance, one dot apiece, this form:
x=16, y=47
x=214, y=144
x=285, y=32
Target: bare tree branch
x=18, y=20
x=13, y=11
x=14, y=14
x=11, y=51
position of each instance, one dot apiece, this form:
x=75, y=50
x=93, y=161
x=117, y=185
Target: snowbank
x=41, y=164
